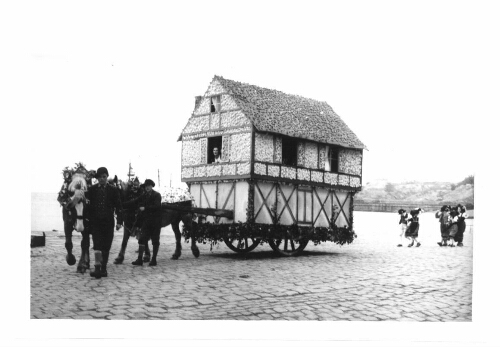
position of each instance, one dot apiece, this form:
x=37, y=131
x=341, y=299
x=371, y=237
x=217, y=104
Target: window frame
x=213, y=141
x=215, y=106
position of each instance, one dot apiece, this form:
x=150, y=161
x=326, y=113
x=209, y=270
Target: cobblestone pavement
x=369, y=280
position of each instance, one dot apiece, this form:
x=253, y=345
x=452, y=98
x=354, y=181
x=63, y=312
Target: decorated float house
x=285, y=159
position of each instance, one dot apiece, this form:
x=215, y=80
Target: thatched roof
x=292, y=115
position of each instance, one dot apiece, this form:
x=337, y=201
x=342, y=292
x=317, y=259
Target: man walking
x=150, y=206
x=132, y=221
x=105, y=202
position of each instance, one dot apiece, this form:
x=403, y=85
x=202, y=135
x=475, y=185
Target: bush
x=467, y=180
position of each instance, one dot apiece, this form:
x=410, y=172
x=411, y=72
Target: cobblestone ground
x=369, y=280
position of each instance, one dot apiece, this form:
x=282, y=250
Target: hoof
x=137, y=262
x=146, y=258
x=70, y=259
x=175, y=256
x=196, y=252
x=119, y=259
x=152, y=262
x=96, y=273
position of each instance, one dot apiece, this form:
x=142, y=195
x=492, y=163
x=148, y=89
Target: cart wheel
x=288, y=247
x=243, y=245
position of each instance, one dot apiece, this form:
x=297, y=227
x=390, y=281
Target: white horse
x=75, y=218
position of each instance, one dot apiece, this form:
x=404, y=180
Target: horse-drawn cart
x=287, y=173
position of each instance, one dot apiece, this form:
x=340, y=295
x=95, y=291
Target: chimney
x=197, y=100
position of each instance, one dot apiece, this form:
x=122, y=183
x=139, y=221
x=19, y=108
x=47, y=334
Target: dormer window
x=215, y=104
x=332, y=159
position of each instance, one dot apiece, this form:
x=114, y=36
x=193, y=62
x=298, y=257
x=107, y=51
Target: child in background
x=403, y=221
x=413, y=227
x=462, y=215
x=443, y=217
x=453, y=229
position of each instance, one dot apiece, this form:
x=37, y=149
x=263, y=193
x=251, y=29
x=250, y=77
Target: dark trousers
x=150, y=230
x=102, y=236
x=459, y=237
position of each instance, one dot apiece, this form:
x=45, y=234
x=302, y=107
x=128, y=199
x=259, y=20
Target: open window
x=214, y=146
x=215, y=104
x=289, y=156
x=332, y=159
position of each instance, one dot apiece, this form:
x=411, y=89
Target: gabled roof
x=292, y=115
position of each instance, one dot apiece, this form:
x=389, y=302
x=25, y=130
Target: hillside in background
x=419, y=192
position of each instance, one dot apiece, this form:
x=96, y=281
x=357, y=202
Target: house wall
x=304, y=205
x=229, y=123
x=310, y=160
x=230, y=195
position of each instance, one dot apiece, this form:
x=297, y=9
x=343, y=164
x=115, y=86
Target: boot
x=139, y=258
x=155, y=253
x=104, y=264
x=97, y=272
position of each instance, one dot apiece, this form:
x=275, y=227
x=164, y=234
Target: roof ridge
x=267, y=89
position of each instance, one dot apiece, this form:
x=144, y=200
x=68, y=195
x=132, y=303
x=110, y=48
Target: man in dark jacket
x=132, y=220
x=105, y=202
x=150, y=206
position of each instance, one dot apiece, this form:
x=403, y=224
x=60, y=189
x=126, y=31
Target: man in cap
x=132, y=220
x=105, y=202
x=150, y=206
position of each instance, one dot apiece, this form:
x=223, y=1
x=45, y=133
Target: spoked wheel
x=288, y=247
x=241, y=245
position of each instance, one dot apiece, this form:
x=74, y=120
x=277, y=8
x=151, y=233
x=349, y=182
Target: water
x=46, y=213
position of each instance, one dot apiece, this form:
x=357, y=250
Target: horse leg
x=86, y=249
x=178, y=236
x=83, y=264
x=188, y=222
x=68, y=231
x=126, y=236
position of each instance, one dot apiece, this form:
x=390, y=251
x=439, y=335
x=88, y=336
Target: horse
x=174, y=217
x=72, y=199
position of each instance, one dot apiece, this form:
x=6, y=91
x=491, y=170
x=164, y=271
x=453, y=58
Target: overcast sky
x=116, y=82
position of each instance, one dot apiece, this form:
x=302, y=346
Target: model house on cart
x=283, y=157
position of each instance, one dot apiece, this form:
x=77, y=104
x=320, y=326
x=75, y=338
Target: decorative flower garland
x=172, y=195
x=63, y=196
x=214, y=233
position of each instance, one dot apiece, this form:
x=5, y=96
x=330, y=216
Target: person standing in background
x=403, y=222
x=150, y=206
x=443, y=216
x=462, y=215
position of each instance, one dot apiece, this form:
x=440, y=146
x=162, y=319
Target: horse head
x=77, y=189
